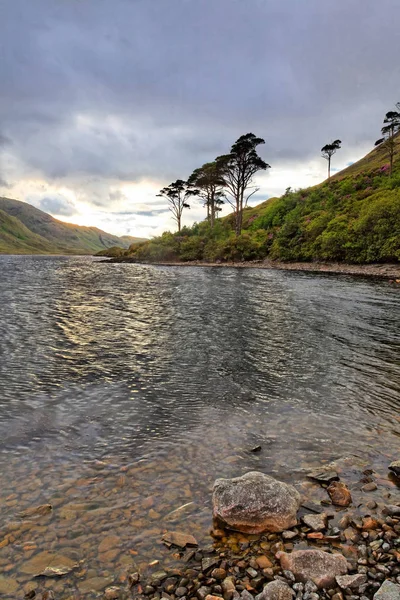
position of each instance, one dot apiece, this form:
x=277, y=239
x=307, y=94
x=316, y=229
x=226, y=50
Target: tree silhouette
x=389, y=131
x=328, y=151
x=177, y=195
x=238, y=168
x=209, y=182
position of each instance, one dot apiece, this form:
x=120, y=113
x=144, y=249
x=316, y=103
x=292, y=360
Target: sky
x=104, y=102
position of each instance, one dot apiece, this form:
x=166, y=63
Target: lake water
x=125, y=390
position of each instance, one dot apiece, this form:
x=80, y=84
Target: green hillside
x=15, y=238
x=354, y=218
x=31, y=230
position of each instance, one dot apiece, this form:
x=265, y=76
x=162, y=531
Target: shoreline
x=385, y=271
x=359, y=530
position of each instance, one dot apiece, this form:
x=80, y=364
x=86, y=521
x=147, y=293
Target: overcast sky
x=103, y=102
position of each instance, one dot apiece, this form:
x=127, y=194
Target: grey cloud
x=5, y=184
x=126, y=90
x=57, y=205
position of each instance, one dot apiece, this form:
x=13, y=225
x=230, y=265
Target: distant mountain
x=25, y=229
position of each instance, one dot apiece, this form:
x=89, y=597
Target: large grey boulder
x=316, y=565
x=254, y=503
x=388, y=591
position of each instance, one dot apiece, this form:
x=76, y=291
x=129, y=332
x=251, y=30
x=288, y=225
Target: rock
x=276, y=590
x=395, y=467
x=177, y=538
x=56, y=571
x=324, y=476
x=352, y=582
x=36, y=511
x=256, y=449
x=368, y=523
x=245, y=595
x=112, y=593
x=228, y=587
x=158, y=576
x=50, y=562
x=208, y=562
x=203, y=592
x=339, y=493
x=218, y=574
x=351, y=535
x=388, y=591
x=107, y=543
x=133, y=579
x=316, y=522
x=369, y=487
x=8, y=585
x=315, y=535
x=255, y=503
x=94, y=584
x=182, y=591
x=315, y=565
x=310, y=587
x=392, y=510
x=263, y=562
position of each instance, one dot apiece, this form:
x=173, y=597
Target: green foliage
x=355, y=218
x=113, y=252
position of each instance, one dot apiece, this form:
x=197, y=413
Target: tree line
x=230, y=177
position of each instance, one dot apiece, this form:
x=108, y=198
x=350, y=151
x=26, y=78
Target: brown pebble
x=263, y=562
x=369, y=487
x=112, y=593
x=339, y=493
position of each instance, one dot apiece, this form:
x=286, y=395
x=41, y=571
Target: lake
x=125, y=390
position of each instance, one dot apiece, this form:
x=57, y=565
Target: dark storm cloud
x=134, y=89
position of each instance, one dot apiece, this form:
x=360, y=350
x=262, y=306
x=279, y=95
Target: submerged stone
x=47, y=561
x=8, y=585
x=323, y=476
x=395, y=467
x=339, y=493
x=177, y=538
x=254, y=503
x=36, y=511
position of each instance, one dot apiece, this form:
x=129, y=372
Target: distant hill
x=15, y=238
x=25, y=229
x=354, y=218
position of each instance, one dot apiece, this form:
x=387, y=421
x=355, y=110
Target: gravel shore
x=386, y=271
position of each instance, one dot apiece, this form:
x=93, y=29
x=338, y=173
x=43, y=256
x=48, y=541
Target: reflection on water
x=125, y=390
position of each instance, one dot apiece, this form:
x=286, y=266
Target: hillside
x=15, y=238
x=30, y=230
x=354, y=218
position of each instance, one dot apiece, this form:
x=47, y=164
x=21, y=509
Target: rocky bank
x=308, y=559
x=384, y=271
